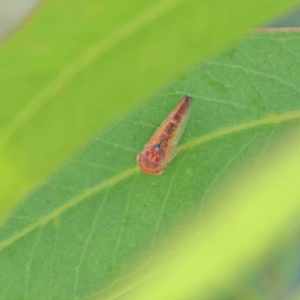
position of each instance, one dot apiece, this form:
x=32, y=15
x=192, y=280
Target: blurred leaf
x=217, y=252
x=85, y=226
x=291, y=19
x=76, y=66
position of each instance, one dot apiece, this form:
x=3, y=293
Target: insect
x=161, y=148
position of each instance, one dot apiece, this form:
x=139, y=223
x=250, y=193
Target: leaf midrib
x=272, y=119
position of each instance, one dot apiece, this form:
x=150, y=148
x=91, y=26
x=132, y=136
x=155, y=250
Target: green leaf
x=215, y=253
x=83, y=229
x=76, y=66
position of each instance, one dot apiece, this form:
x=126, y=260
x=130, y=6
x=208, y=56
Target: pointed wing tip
x=188, y=98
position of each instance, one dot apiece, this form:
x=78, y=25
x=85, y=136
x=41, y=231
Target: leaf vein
x=116, y=145
x=28, y=266
x=227, y=165
x=272, y=119
x=163, y=207
x=278, y=79
x=89, y=192
x=87, y=240
x=122, y=225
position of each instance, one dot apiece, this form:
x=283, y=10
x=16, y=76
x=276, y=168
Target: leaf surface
x=83, y=229
x=83, y=64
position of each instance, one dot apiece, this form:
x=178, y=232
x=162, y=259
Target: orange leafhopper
x=161, y=148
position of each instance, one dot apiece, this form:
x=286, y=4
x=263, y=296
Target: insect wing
x=170, y=131
x=175, y=136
